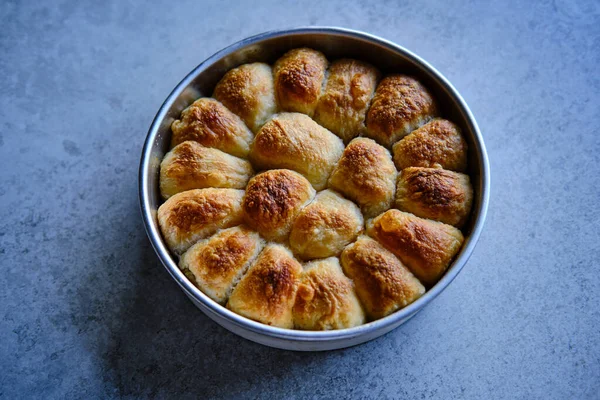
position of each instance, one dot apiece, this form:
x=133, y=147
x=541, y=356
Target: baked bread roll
x=273, y=200
x=344, y=103
x=248, y=91
x=434, y=193
x=190, y=165
x=383, y=284
x=326, y=298
x=211, y=124
x=299, y=76
x=426, y=247
x=437, y=144
x=366, y=174
x=296, y=142
x=268, y=290
x=401, y=104
x=325, y=226
x=193, y=215
x=216, y=264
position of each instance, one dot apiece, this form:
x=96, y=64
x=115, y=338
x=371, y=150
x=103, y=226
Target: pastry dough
x=192, y=166
x=273, y=200
x=299, y=76
x=426, y=247
x=400, y=105
x=438, y=143
x=436, y=194
x=366, y=174
x=248, y=91
x=216, y=264
x=326, y=298
x=268, y=290
x=195, y=214
x=325, y=226
x=294, y=141
x=348, y=92
x=211, y=124
x=383, y=284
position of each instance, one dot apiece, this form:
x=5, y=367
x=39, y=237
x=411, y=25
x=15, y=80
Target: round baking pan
x=334, y=43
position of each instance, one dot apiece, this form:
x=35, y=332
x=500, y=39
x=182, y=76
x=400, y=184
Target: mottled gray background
x=87, y=310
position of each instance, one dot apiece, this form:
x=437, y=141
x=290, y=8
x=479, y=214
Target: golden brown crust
x=325, y=226
x=426, y=247
x=348, y=92
x=273, y=200
x=366, y=174
x=438, y=143
x=299, y=76
x=190, y=165
x=433, y=193
x=326, y=298
x=217, y=263
x=268, y=290
x=296, y=142
x=195, y=214
x=211, y=124
x=383, y=284
x=248, y=91
x=400, y=105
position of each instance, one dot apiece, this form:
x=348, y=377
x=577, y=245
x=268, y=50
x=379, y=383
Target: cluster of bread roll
x=314, y=196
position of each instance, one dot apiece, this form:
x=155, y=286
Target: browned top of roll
x=192, y=215
x=211, y=124
x=438, y=143
x=268, y=290
x=383, y=284
x=296, y=142
x=326, y=298
x=189, y=165
x=366, y=174
x=273, y=199
x=426, y=247
x=435, y=193
x=248, y=91
x=299, y=75
x=217, y=262
x=344, y=102
x=400, y=104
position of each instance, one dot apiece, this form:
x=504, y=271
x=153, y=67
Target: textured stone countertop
x=86, y=309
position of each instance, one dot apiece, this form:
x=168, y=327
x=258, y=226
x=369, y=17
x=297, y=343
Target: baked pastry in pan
x=366, y=174
x=211, y=124
x=325, y=226
x=426, y=247
x=435, y=193
x=348, y=92
x=383, y=283
x=437, y=144
x=284, y=203
x=249, y=92
x=326, y=298
x=196, y=214
x=299, y=76
x=400, y=105
x=266, y=293
x=217, y=263
x=296, y=142
x=273, y=200
x=190, y=165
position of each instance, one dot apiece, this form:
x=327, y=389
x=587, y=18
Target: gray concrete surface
x=86, y=309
